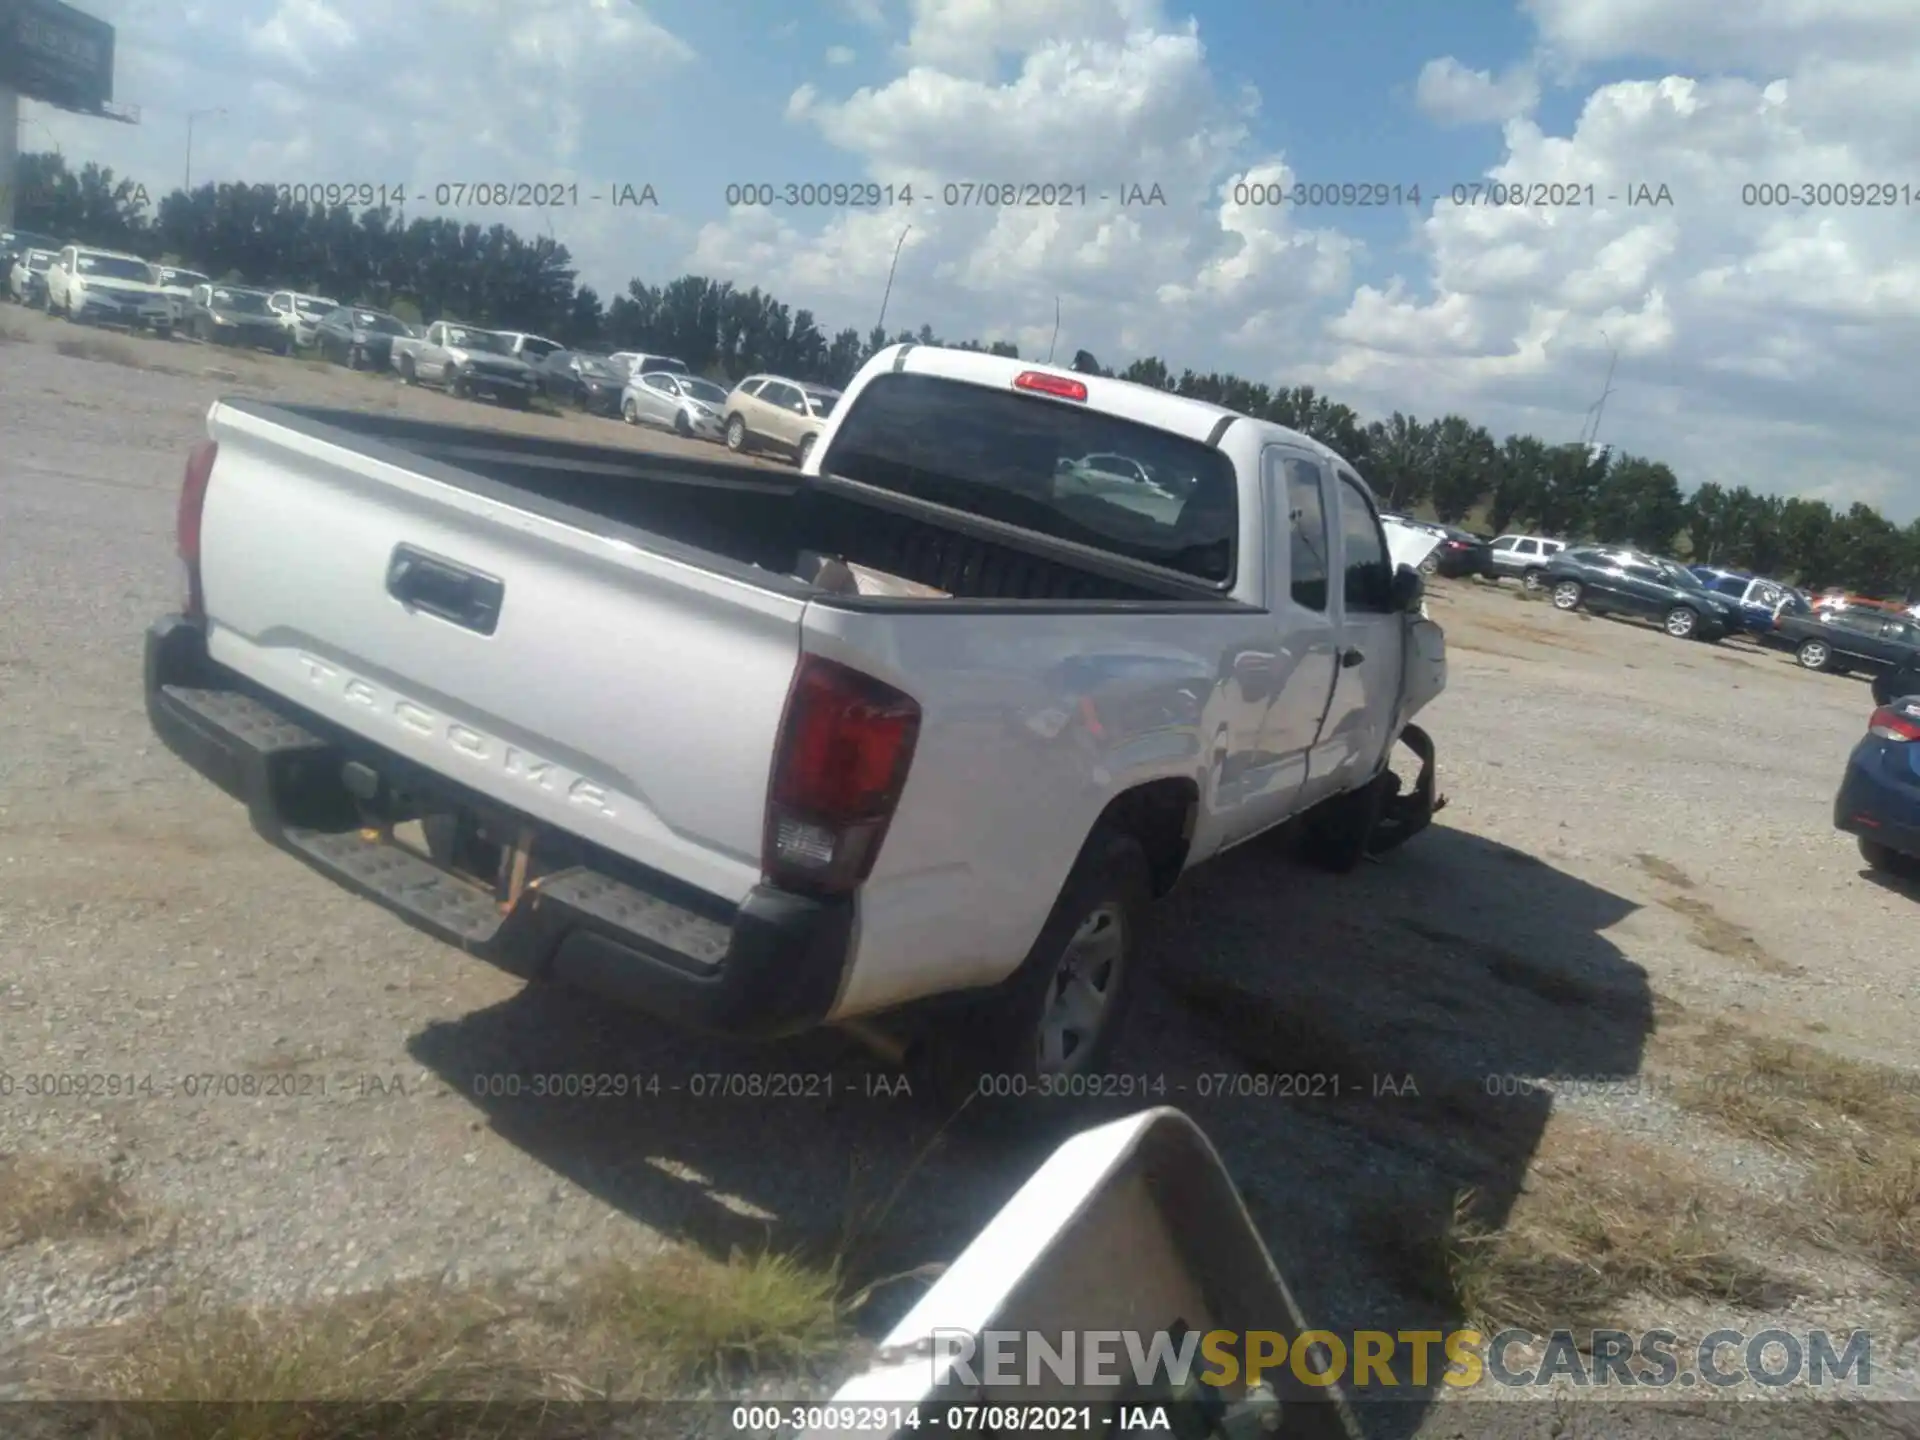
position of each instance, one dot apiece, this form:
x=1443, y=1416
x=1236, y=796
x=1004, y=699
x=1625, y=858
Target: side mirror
x=1408, y=590
x=1094, y=1286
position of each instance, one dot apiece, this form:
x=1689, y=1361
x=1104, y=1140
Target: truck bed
x=600, y=639
x=744, y=520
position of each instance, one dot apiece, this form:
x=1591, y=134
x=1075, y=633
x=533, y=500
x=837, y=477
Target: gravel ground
x=1648, y=817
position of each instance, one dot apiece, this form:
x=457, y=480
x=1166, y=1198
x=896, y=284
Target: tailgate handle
x=451, y=591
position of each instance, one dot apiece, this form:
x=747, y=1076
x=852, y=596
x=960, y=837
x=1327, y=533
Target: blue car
x=1879, y=799
x=1759, y=599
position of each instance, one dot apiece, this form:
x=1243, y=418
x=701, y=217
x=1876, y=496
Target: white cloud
x=840, y=55
x=1450, y=93
x=1758, y=344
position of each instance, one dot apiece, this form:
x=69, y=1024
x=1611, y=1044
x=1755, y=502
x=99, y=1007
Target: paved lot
x=1639, y=829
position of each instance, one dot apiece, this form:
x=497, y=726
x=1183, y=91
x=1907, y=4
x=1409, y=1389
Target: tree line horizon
x=424, y=269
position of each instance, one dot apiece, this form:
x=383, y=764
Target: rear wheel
x=1887, y=860
x=1430, y=566
x=1568, y=594
x=407, y=377
x=1682, y=622
x=628, y=414
x=1026, y=1046
x=806, y=449
x=1814, y=655
x=736, y=434
x=1534, y=579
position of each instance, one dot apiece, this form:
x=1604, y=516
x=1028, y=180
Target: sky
x=1767, y=344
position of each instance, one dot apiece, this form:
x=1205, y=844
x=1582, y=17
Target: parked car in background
x=1879, y=798
x=1626, y=582
x=1524, y=557
x=1460, y=553
x=107, y=287
x=464, y=360
x=530, y=348
x=774, y=413
x=1759, y=599
x=27, y=277
x=235, y=315
x=636, y=362
x=358, y=338
x=15, y=243
x=684, y=404
x=1842, y=641
x=591, y=382
x=178, y=286
x=300, y=315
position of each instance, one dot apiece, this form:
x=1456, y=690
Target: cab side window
x=1307, y=527
x=1368, y=580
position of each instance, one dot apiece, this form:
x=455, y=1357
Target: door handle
x=1350, y=657
x=442, y=588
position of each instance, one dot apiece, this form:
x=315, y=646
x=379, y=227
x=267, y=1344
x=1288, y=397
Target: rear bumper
x=1871, y=805
x=770, y=967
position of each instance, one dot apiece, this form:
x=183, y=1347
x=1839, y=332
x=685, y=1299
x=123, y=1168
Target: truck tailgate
x=627, y=697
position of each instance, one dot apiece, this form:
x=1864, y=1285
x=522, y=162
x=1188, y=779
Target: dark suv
x=1625, y=582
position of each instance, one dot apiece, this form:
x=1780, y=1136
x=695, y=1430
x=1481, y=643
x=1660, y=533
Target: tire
x=628, y=414
x=1887, y=860
x=1568, y=594
x=1682, y=622
x=1814, y=655
x=1534, y=579
x=736, y=434
x=355, y=360
x=1430, y=566
x=1026, y=1032
x=681, y=425
x=407, y=377
x=1335, y=833
x=806, y=449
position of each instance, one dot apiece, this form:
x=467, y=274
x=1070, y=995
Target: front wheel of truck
x=1039, y=1043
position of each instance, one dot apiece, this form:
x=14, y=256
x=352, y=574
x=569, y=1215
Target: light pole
x=881, y=325
x=193, y=115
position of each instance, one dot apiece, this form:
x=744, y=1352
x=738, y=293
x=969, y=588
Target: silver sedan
x=684, y=404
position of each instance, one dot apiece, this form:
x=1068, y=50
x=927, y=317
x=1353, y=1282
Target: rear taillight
x=845, y=746
x=1891, y=724
x=193, y=502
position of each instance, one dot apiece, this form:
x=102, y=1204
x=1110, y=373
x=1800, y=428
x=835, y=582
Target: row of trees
x=1450, y=467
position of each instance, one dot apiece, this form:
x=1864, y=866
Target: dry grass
x=1855, y=1124
x=680, y=1326
x=1717, y=935
x=1602, y=1220
x=103, y=348
x=45, y=1198
x=1665, y=871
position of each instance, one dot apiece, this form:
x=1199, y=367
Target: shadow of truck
x=1403, y=1001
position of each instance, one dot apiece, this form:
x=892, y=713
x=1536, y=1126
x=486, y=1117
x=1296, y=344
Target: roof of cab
x=1181, y=414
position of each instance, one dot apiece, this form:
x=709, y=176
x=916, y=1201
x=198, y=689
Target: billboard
x=51, y=52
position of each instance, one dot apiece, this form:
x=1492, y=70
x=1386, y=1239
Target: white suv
x=105, y=287
x=1525, y=556
x=300, y=314
x=772, y=412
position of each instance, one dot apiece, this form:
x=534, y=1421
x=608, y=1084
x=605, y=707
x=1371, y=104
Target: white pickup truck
x=759, y=752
